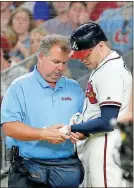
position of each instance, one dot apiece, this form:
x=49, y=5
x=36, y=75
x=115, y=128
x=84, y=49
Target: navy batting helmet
x=84, y=38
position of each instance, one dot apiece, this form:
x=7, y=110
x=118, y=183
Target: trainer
x=38, y=100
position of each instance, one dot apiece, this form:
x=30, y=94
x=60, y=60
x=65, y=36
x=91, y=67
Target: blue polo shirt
x=31, y=100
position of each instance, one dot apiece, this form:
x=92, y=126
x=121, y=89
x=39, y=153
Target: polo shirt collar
x=59, y=84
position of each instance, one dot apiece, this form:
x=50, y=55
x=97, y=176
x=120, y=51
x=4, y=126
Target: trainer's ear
x=41, y=56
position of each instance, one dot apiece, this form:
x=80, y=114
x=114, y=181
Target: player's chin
x=89, y=65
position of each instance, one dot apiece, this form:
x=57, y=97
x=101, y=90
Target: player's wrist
x=65, y=130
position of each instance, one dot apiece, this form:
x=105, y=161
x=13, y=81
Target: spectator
x=29, y=5
x=21, y=22
x=41, y=12
x=69, y=17
x=58, y=24
x=11, y=36
x=5, y=48
x=78, y=13
x=61, y=9
x=5, y=14
x=9, y=75
x=36, y=35
x=117, y=24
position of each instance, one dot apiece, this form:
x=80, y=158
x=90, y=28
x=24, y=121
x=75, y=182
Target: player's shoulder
x=114, y=63
x=115, y=67
x=110, y=68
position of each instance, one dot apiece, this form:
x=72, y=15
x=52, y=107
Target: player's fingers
x=74, y=135
x=74, y=139
x=81, y=135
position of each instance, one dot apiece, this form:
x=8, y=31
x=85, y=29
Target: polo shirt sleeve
x=12, y=108
x=110, y=88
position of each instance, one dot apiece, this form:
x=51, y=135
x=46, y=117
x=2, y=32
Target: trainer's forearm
x=21, y=131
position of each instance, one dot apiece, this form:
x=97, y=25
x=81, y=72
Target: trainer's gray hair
x=54, y=39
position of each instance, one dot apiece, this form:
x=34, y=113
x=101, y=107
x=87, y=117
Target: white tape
x=64, y=130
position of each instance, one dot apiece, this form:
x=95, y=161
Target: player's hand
x=65, y=130
x=74, y=137
x=53, y=135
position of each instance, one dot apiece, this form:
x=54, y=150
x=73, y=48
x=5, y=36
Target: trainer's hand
x=76, y=137
x=53, y=135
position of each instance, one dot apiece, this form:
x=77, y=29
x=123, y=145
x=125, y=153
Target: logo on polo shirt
x=66, y=99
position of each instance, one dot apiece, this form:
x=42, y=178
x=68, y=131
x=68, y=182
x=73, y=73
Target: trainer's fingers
x=52, y=141
x=58, y=126
x=55, y=141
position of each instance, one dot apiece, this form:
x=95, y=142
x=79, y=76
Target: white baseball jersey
x=109, y=84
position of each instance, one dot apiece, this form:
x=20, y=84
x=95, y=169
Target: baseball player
x=107, y=96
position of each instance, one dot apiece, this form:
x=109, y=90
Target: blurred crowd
x=24, y=24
